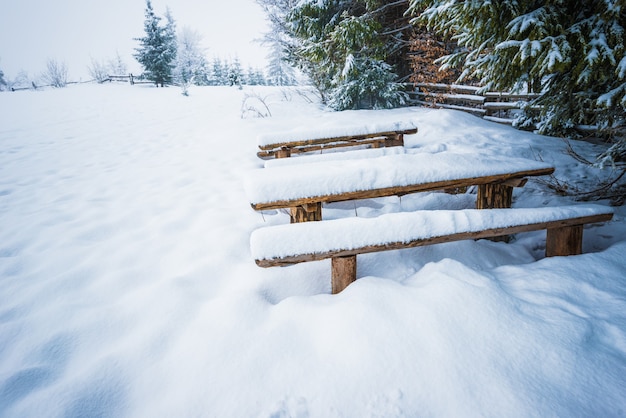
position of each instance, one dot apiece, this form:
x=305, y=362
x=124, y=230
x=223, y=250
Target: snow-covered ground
x=127, y=286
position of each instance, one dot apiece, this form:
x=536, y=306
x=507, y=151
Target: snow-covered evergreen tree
x=191, y=65
x=250, y=78
x=366, y=83
x=202, y=73
x=572, y=52
x=235, y=73
x=219, y=73
x=259, y=77
x=324, y=37
x=255, y=77
x=170, y=38
x=157, y=50
x=280, y=72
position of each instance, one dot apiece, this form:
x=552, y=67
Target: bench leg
x=567, y=240
x=495, y=196
x=343, y=272
x=306, y=213
x=394, y=140
x=283, y=153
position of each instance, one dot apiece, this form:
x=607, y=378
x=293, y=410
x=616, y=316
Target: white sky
x=74, y=31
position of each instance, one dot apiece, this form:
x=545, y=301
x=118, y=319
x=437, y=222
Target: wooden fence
x=127, y=79
x=494, y=106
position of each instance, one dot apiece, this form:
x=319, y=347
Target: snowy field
x=127, y=286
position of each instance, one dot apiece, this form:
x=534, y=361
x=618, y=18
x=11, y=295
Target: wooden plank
x=488, y=233
x=403, y=190
x=343, y=272
x=477, y=110
x=313, y=148
x=448, y=87
x=516, y=182
x=501, y=106
x=347, y=138
x=454, y=97
x=510, y=96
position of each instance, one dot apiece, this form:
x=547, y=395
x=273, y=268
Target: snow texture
x=335, y=155
x=127, y=286
x=335, y=126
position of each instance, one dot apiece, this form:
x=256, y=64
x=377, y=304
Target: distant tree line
x=54, y=75
x=168, y=57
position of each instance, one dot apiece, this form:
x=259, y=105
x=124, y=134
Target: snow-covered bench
x=375, y=134
x=304, y=187
x=342, y=240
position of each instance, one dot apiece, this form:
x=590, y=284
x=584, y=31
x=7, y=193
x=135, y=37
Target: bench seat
x=343, y=239
x=300, y=140
x=300, y=185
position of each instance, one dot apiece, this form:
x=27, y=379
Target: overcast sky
x=74, y=31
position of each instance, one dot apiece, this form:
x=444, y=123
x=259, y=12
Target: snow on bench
x=304, y=187
x=335, y=156
x=299, y=140
x=342, y=239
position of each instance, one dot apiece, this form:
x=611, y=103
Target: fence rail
x=127, y=79
x=492, y=105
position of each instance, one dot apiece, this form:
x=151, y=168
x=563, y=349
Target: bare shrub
x=55, y=74
x=255, y=106
x=117, y=66
x=98, y=71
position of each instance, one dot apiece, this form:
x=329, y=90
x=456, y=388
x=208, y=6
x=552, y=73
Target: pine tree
x=366, y=83
x=235, y=73
x=324, y=37
x=191, y=65
x=365, y=79
x=170, y=38
x=260, y=77
x=571, y=52
x=251, y=79
x=279, y=71
x=202, y=73
x=219, y=73
x=157, y=50
x=280, y=38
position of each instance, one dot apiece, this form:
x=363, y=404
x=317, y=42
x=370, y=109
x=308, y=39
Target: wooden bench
x=342, y=240
x=303, y=188
x=285, y=144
